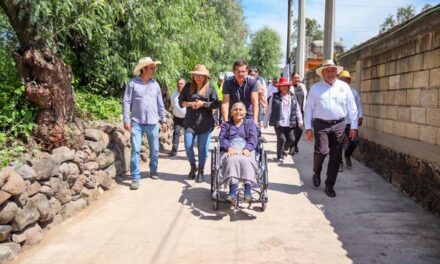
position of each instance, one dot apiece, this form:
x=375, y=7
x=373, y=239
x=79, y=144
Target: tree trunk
x=47, y=83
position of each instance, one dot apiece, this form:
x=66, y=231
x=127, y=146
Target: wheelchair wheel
x=263, y=206
x=213, y=168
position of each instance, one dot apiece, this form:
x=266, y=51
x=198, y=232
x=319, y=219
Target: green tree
x=402, y=15
x=265, y=51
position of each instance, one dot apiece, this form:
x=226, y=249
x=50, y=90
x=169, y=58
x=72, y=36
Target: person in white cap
x=329, y=102
x=143, y=109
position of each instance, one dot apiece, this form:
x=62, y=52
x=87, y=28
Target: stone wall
x=47, y=188
x=398, y=76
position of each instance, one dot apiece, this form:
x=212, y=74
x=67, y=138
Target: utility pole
x=289, y=29
x=300, y=50
x=329, y=29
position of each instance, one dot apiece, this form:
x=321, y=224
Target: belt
x=331, y=122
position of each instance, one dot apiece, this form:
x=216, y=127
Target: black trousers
x=178, y=126
x=285, y=139
x=298, y=132
x=329, y=138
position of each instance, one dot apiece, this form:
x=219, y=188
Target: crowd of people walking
x=241, y=105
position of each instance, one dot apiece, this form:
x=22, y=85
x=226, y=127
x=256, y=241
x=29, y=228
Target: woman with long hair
x=199, y=98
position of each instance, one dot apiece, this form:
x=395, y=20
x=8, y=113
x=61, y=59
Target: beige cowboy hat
x=328, y=64
x=200, y=69
x=144, y=62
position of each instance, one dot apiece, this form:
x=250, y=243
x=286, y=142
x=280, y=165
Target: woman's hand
x=246, y=153
x=198, y=104
x=231, y=151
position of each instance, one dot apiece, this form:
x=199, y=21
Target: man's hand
x=231, y=151
x=360, y=119
x=246, y=153
x=353, y=134
x=309, y=134
x=127, y=127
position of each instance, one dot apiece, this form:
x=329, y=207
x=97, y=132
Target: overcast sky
x=355, y=21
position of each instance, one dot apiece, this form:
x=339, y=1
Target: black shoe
x=192, y=172
x=330, y=191
x=316, y=180
x=291, y=151
x=172, y=153
x=348, y=161
x=296, y=149
x=200, y=177
x=262, y=139
x=341, y=167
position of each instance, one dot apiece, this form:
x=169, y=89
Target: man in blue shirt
x=240, y=88
x=143, y=108
x=352, y=144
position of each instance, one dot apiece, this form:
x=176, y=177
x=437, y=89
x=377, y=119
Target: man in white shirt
x=179, y=116
x=328, y=104
x=352, y=144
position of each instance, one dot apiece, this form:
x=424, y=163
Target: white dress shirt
x=330, y=102
x=357, y=98
x=178, y=111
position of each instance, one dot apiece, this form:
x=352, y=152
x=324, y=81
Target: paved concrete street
x=171, y=220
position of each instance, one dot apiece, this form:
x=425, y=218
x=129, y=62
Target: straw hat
x=200, y=69
x=283, y=81
x=345, y=74
x=328, y=64
x=144, y=62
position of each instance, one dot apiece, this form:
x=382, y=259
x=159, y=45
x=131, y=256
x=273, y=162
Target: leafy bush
x=16, y=114
x=96, y=107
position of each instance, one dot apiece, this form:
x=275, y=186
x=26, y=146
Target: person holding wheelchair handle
x=238, y=140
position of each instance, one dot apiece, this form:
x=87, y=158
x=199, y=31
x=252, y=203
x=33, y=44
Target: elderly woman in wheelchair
x=239, y=140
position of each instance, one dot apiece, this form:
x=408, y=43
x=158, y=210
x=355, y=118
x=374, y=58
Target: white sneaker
x=280, y=161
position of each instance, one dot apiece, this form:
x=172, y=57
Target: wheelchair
x=259, y=194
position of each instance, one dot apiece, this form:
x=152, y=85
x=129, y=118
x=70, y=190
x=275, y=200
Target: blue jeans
x=137, y=130
x=202, y=147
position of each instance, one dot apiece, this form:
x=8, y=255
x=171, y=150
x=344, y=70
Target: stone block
x=381, y=70
x=388, y=126
x=5, y=232
x=374, y=110
x=394, y=82
x=433, y=116
x=9, y=251
x=412, y=130
x=424, y=43
x=402, y=66
x=407, y=80
x=400, y=97
x=378, y=97
x=383, y=83
x=431, y=59
x=404, y=113
x=14, y=184
x=428, y=134
x=421, y=79
x=418, y=115
x=434, y=77
x=416, y=62
x=382, y=111
x=375, y=85
x=429, y=97
x=373, y=72
x=399, y=129
x=391, y=112
x=390, y=68
x=366, y=73
x=413, y=97
x=438, y=136
x=388, y=98
x=366, y=86
x=436, y=40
